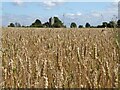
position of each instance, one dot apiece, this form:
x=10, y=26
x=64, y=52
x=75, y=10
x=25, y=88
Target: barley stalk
x=59, y=58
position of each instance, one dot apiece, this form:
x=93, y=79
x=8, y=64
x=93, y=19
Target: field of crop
x=59, y=58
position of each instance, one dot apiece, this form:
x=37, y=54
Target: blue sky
x=79, y=12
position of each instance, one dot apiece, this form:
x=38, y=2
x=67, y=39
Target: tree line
x=55, y=22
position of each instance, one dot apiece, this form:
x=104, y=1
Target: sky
x=26, y=13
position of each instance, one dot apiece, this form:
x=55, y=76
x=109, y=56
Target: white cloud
x=73, y=14
x=18, y=2
x=95, y=14
x=69, y=14
x=51, y=3
x=78, y=14
x=116, y=0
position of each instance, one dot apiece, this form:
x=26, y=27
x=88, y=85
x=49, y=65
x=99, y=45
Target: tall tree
x=111, y=24
x=87, y=25
x=46, y=24
x=11, y=25
x=17, y=24
x=73, y=25
x=55, y=22
x=37, y=23
x=104, y=24
x=118, y=23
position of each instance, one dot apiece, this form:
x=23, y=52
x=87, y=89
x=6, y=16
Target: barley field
x=59, y=58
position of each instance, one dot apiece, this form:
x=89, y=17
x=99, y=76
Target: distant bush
x=73, y=25
x=46, y=25
x=80, y=26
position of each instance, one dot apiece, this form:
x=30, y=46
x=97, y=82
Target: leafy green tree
x=73, y=25
x=37, y=23
x=111, y=24
x=118, y=23
x=46, y=24
x=11, y=25
x=17, y=24
x=104, y=24
x=80, y=26
x=87, y=25
x=55, y=22
x=57, y=25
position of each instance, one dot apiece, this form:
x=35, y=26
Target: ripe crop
x=57, y=58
